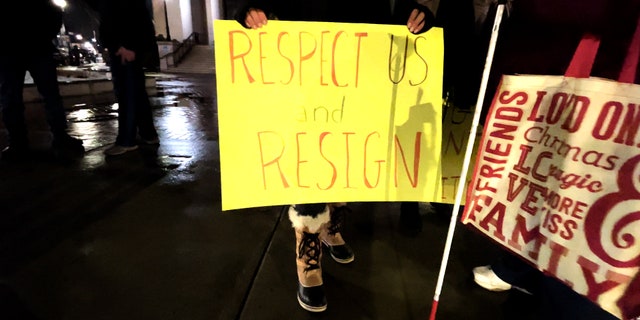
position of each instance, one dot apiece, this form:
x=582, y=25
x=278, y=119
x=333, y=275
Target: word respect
x=328, y=58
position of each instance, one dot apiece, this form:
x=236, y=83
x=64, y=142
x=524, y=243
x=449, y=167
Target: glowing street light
x=60, y=3
x=63, y=30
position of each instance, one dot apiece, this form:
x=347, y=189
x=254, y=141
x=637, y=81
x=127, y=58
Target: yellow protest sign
x=328, y=112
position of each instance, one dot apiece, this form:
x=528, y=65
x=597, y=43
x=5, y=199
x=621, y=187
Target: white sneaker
x=486, y=278
x=118, y=150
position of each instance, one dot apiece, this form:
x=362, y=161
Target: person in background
x=462, y=72
x=320, y=223
x=127, y=32
x=32, y=50
x=75, y=56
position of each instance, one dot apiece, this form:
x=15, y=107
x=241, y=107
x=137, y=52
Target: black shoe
x=15, y=154
x=308, y=255
x=340, y=252
x=66, y=144
x=312, y=298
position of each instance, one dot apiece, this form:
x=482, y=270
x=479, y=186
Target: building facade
x=177, y=19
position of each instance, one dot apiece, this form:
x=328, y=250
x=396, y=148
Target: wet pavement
x=142, y=236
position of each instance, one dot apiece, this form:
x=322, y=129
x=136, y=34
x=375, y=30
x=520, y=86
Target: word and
x=321, y=114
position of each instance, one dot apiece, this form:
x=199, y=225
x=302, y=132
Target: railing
x=172, y=59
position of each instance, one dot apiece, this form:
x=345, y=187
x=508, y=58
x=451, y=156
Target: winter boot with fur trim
x=308, y=255
x=331, y=236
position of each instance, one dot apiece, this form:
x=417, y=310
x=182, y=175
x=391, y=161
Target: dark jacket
x=29, y=26
x=126, y=23
x=463, y=57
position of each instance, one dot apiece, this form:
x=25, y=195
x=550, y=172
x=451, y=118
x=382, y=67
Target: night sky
x=80, y=18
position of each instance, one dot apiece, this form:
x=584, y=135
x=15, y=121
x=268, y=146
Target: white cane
x=467, y=157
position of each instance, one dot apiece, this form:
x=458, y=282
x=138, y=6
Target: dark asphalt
x=142, y=236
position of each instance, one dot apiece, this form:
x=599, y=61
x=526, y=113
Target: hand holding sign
x=255, y=19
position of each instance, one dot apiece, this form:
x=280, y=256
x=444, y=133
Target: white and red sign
x=557, y=181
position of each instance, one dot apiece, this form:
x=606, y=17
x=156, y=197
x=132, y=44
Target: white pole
x=467, y=158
